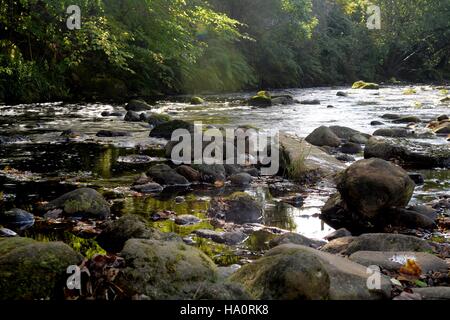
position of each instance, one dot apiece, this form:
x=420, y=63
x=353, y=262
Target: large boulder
x=408, y=153
x=165, y=175
x=165, y=269
x=377, y=242
x=130, y=226
x=371, y=186
x=31, y=270
x=83, y=202
x=323, y=136
x=239, y=208
x=298, y=272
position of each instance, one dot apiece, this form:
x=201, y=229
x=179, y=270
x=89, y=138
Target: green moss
x=197, y=100
x=365, y=85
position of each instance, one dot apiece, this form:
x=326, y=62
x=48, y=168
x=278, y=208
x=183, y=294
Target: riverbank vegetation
x=149, y=48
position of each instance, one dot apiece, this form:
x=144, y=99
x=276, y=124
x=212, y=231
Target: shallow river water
x=48, y=166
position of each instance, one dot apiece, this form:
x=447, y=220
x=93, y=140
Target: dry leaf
x=411, y=268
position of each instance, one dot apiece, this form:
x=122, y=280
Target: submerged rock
x=154, y=119
x=407, y=119
x=17, y=219
x=229, y=238
x=239, y=208
x=394, y=133
x=130, y=226
x=310, y=102
x=187, y=219
x=323, y=136
x=408, y=153
x=84, y=202
x=31, y=270
x=14, y=139
x=112, y=134
x=292, y=272
x=148, y=188
x=165, y=175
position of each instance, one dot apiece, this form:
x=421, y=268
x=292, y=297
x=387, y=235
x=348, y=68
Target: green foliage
x=153, y=47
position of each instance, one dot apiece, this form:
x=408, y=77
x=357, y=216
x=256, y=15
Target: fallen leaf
x=411, y=268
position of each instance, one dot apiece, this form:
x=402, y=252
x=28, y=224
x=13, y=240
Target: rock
x=165, y=130
x=241, y=179
x=365, y=85
x=136, y=159
x=105, y=114
x=344, y=157
x=83, y=202
x=442, y=117
x=261, y=100
x=370, y=186
x=15, y=139
x=112, y=134
x=330, y=106
x=142, y=179
x=295, y=238
x=443, y=129
x=445, y=99
x=165, y=175
x=425, y=210
x=210, y=172
x=283, y=100
x=433, y=293
x=323, y=136
x=297, y=272
x=189, y=173
x=165, y=269
x=305, y=162
x=391, y=116
x=377, y=242
x=130, y=226
x=254, y=172
x=148, y=188
x=31, y=270
x=137, y=106
x=400, y=217
x=340, y=233
x=407, y=119
x=239, y=208
x=351, y=148
x=408, y=153
x=154, y=119
x=310, y=102
x=393, y=261
x=349, y=134
x=197, y=101
x=17, y=219
x=376, y=123
x=359, y=138
x=342, y=94
x=132, y=116
x=393, y=133
x=187, y=219
x=6, y=233
x=285, y=275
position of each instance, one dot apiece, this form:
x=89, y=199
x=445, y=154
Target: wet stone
x=187, y=219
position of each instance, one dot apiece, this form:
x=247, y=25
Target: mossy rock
x=197, y=101
x=365, y=85
x=31, y=270
x=285, y=275
x=161, y=269
x=155, y=119
x=262, y=99
x=83, y=202
x=409, y=91
x=130, y=226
